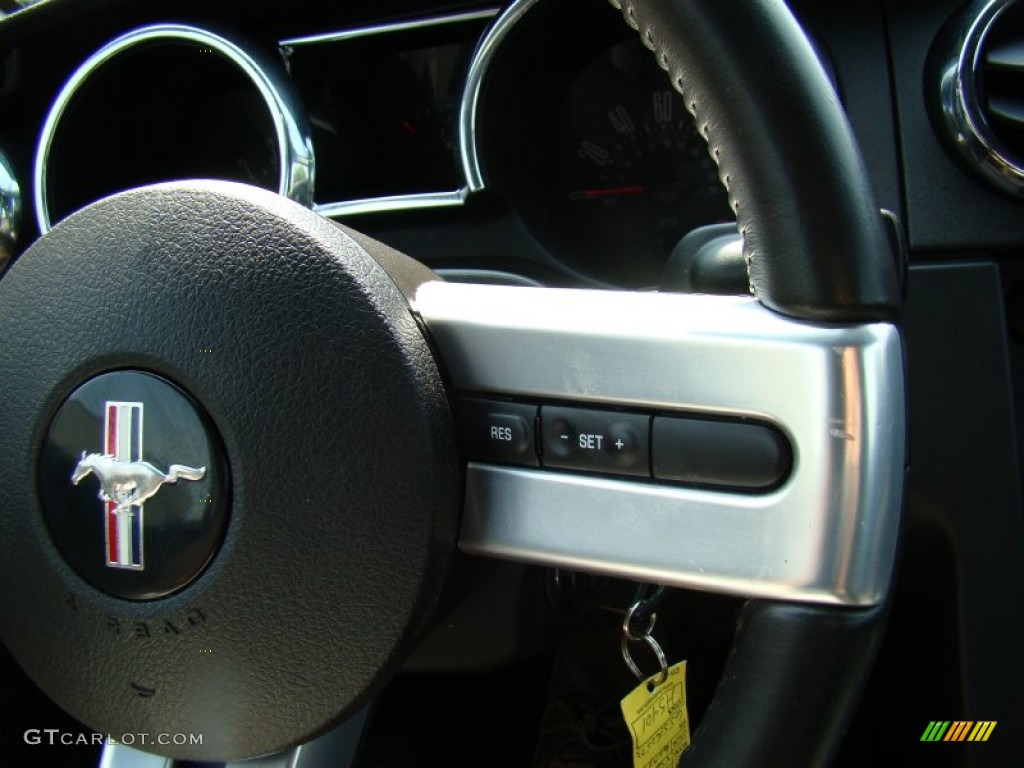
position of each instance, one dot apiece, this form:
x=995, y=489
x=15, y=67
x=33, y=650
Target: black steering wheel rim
x=818, y=252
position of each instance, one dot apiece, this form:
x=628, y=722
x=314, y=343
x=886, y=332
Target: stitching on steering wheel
x=715, y=151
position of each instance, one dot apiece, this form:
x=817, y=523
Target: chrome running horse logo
x=129, y=484
x=126, y=482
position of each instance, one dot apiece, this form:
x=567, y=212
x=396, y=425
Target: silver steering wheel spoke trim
x=827, y=535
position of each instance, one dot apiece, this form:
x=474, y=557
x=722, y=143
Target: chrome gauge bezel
x=469, y=151
x=469, y=154
x=10, y=210
x=469, y=166
x=292, y=135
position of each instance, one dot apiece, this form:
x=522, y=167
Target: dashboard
x=512, y=143
x=562, y=138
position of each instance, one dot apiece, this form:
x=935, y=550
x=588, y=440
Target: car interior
x=417, y=382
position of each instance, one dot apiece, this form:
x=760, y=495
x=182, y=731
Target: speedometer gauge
x=590, y=145
x=634, y=174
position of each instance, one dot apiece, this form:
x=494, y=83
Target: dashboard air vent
x=982, y=91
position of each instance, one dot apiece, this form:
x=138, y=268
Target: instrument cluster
x=573, y=129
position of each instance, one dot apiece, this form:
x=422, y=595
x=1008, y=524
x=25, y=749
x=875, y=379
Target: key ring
x=627, y=623
x=629, y=636
x=660, y=654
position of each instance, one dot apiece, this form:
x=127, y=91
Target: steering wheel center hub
x=115, y=450
x=333, y=501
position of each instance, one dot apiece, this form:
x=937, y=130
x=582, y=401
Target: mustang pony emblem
x=126, y=482
x=130, y=483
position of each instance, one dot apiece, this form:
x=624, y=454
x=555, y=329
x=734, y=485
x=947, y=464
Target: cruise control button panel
x=493, y=430
x=595, y=440
x=729, y=454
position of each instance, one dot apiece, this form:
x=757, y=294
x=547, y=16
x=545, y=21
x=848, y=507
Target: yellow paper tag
x=658, y=721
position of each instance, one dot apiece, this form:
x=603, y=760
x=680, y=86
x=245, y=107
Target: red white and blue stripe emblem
x=122, y=439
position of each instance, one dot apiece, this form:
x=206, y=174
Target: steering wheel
x=299, y=389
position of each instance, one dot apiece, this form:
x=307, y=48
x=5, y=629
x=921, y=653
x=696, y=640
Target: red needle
x=633, y=189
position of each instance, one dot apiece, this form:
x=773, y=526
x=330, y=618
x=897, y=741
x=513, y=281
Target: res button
x=595, y=441
x=492, y=430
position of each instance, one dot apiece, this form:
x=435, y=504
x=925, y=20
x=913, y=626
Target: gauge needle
x=593, y=194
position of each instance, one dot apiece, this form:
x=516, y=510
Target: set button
x=595, y=441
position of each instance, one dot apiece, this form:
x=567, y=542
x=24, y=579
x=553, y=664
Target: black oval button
x=736, y=455
x=134, y=485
